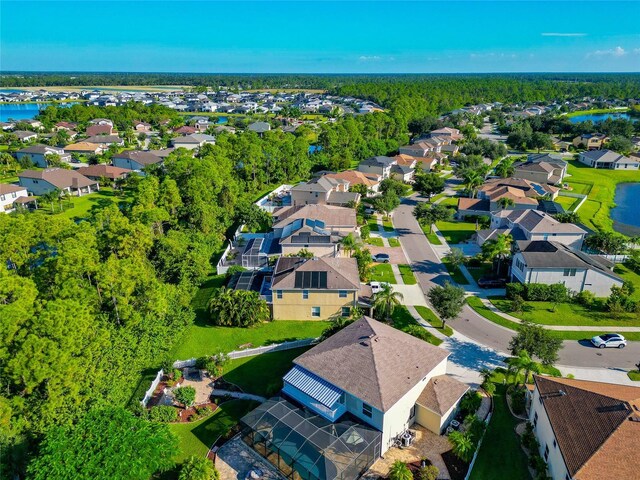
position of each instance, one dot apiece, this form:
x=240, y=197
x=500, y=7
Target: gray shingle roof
x=373, y=361
x=545, y=254
x=442, y=393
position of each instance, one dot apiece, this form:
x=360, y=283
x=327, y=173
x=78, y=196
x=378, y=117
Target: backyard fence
x=475, y=455
x=149, y=393
x=582, y=197
x=615, y=258
x=250, y=352
x=221, y=267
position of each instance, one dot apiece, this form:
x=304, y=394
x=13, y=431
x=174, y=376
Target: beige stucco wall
x=317, y=250
x=308, y=198
x=292, y=306
x=428, y=419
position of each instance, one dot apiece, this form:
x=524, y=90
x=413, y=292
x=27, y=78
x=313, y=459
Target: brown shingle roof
x=59, y=177
x=592, y=425
x=331, y=215
x=342, y=273
x=7, y=188
x=354, y=177
x=442, y=393
x=107, y=171
x=373, y=361
x=142, y=157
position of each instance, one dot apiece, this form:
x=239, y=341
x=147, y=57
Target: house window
x=535, y=420
x=367, y=411
x=555, y=444
x=345, y=312
x=546, y=452
x=315, y=311
x=569, y=272
x=305, y=294
x=342, y=294
x=520, y=265
x=279, y=294
x=14, y=195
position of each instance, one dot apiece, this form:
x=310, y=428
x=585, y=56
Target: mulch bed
x=185, y=414
x=457, y=468
x=415, y=468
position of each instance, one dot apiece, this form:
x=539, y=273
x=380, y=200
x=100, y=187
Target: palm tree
x=505, y=203
x=349, y=244
x=499, y=248
x=386, y=301
x=400, y=471
x=472, y=182
x=463, y=446
x=523, y=362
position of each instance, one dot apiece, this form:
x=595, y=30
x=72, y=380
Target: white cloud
x=370, y=58
x=611, y=52
x=493, y=55
x=559, y=34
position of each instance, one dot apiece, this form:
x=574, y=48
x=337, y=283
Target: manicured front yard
x=382, y=273
x=483, y=270
x=387, y=225
x=568, y=314
x=634, y=375
x=407, y=274
x=261, y=374
x=431, y=236
x=393, y=242
x=197, y=437
x=373, y=223
x=455, y=273
x=403, y=320
x=476, y=304
x=434, y=321
x=500, y=455
x=456, y=232
x=375, y=241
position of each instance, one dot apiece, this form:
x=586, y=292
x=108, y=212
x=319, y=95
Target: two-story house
x=549, y=262
x=324, y=191
x=608, y=159
x=354, y=177
x=307, y=234
x=135, y=160
x=338, y=220
x=590, y=141
x=532, y=225
x=314, y=289
x=586, y=430
x=360, y=389
x=542, y=168
x=38, y=154
x=8, y=196
x=379, y=165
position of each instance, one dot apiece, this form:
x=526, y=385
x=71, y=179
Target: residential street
x=429, y=270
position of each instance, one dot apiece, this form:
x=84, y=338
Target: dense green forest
x=86, y=307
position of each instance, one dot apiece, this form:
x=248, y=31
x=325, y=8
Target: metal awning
x=314, y=386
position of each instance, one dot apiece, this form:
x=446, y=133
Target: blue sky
x=320, y=36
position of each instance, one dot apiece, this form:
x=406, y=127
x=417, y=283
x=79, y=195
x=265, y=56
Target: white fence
x=250, y=352
x=615, y=258
x=149, y=393
x=575, y=195
x=265, y=204
x=475, y=455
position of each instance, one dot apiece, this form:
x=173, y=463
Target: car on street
x=613, y=340
x=491, y=282
x=381, y=258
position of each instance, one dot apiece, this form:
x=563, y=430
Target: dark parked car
x=491, y=282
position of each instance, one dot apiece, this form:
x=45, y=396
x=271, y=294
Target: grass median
x=434, y=321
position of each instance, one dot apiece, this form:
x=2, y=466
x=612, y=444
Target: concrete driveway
x=396, y=255
x=412, y=294
x=430, y=271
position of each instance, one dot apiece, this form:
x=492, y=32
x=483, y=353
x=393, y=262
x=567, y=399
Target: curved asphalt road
x=430, y=270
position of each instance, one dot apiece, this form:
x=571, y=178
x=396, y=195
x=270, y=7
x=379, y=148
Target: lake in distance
x=625, y=214
x=599, y=117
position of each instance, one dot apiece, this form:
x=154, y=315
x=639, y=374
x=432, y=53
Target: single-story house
x=357, y=392
x=543, y=261
x=85, y=148
x=142, y=127
x=100, y=171
x=259, y=127
x=135, y=159
x=107, y=140
x=40, y=182
x=608, y=159
x=38, y=154
x=99, y=129
x=193, y=141
x=586, y=430
x=25, y=135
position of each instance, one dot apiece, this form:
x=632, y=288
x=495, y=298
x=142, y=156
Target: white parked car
x=377, y=286
x=609, y=340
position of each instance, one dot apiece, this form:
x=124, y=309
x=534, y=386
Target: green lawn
x=578, y=113
x=501, y=446
x=481, y=309
x=568, y=203
x=382, y=273
x=394, y=242
x=595, y=212
x=407, y=274
x=261, y=374
x=456, y=232
x=434, y=321
x=403, y=320
x=634, y=375
x=455, y=273
x=387, y=225
x=450, y=202
x=373, y=223
x=568, y=314
x=629, y=276
x=431, y=236
x=482, y=271
x=80, y=207
x=375, y=241
x=197, y=437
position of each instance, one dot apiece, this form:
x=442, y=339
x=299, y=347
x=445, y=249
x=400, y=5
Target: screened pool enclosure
x=305, y=446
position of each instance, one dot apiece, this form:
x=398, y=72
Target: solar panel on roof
x=310, y=280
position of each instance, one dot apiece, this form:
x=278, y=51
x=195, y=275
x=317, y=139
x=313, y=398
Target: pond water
x=599, y=117
x=24, y=111
x=626, y=210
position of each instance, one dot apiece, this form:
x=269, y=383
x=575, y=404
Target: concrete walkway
x=396, y=273
x=238, y=395
x=430, y=328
